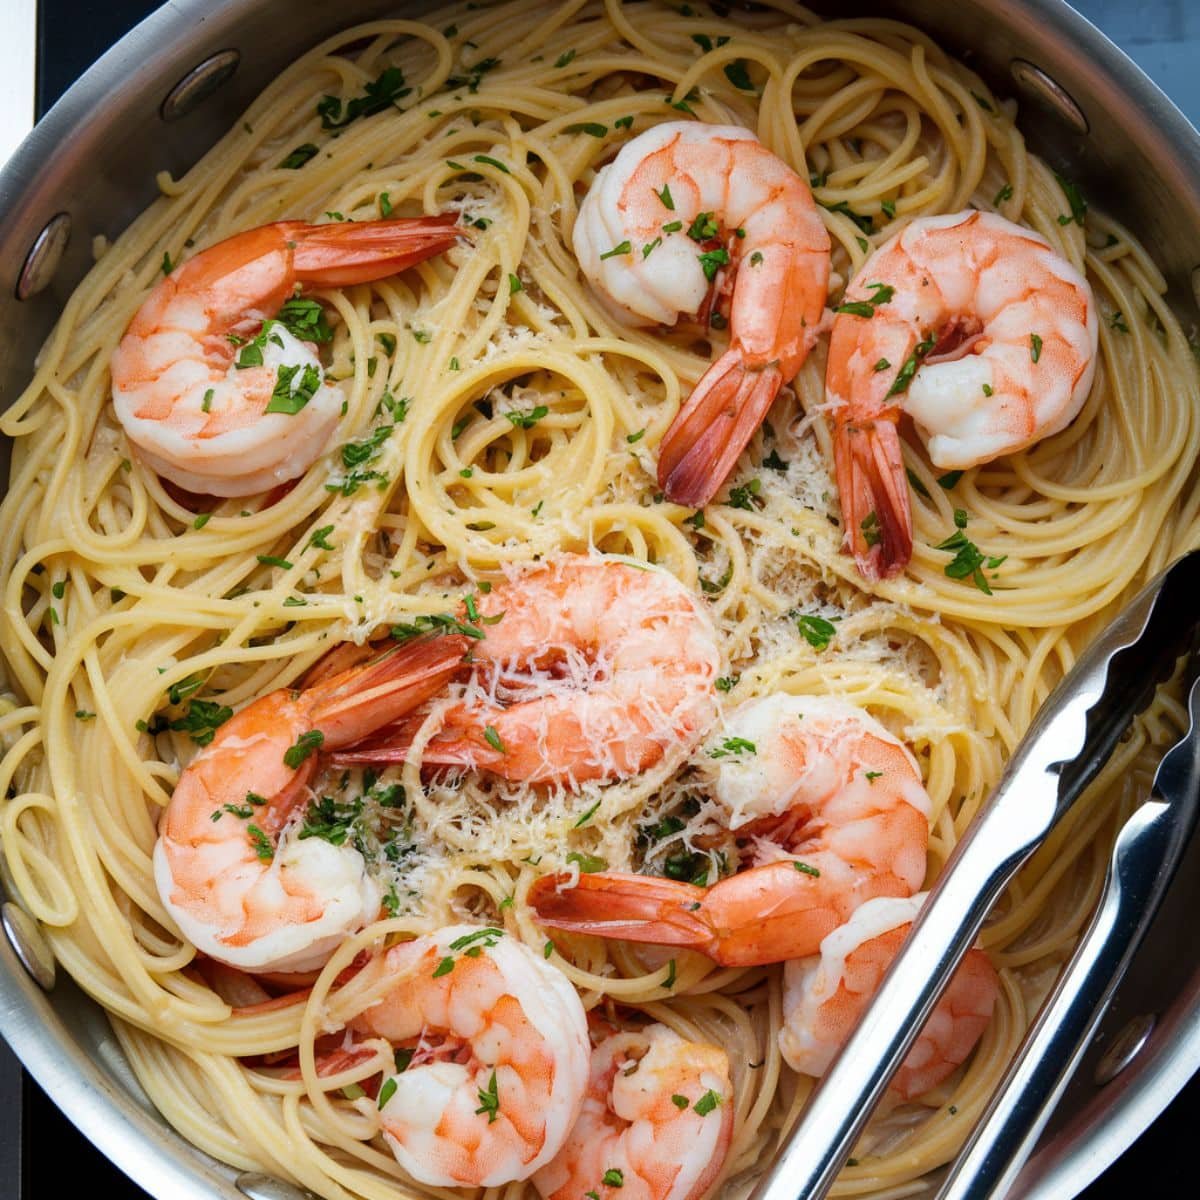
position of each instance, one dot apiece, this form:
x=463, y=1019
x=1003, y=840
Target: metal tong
x=1068, y=742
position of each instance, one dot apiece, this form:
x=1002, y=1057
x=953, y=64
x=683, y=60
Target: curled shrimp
x=494, y=1046
x=836, y=813
x=824, y=997
x=687, y=213
x=215, y=405
x=592, y=668
x=656, y=1122
x=234, y=890
x=979, y=331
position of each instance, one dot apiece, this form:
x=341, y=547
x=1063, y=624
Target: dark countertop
x=1162, y=36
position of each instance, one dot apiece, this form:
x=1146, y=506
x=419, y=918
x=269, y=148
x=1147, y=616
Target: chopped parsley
x=299, y=157
x=745, y=496
x=733, y=745
x=712, y=261
x=305, y=745
x=386, y=1092
x=488, y=936
x=263, y=849
x=726, y=683
x=707, y=1103
x=489, y=161
x=1003, y=195
x=889, y=208
x=1074, y=199
x=290, y=397
x=948, y=480
x=805, y=869
x=905, y=375
x=869, y=526
x=493, y=739
x=864, y=221
x=738, y=75
x=594, y=128
x=514, y=285
x=968, y=560
x=588, y=864
x=202, y=720
x=269, y=560
x=167, y=266
x=1117, y=322
x=623, y=123
x=613, y=1178
x=650, y=247
x=620, y=248
x=817, y=631
x=1035, y=347
x=305, y=318
x=385, y=204
x=680, y=1102
x=527, y=420
x=587, y=816
x=565, y=59
x=667, y=199
x=915, y=483
x=443, y=968
x=866, y=308
x=703, y=227
x=489, y=1099
x=387, y=90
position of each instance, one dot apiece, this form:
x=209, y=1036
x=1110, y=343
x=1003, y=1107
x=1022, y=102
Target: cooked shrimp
x=686, y=214
x=836, y=812
x=499, y=1056
x=979, y=331
x=592, y=668
x=235, y=892
x=656, y=1122
x=215, y=405
x=824, y=997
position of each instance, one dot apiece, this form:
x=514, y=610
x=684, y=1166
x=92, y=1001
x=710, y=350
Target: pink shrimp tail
x=613, y=904
x=714, y=426
x=356, y=702
x=874, y=492
x=349, y=252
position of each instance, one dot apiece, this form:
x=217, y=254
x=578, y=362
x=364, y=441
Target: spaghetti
x=497, y=415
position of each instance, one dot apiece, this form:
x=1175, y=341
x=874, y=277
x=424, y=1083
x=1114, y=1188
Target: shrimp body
x=200, y=417
x=824, y=997
x=837, y=814
x=500, y=1056
x=656, y=1122
x=702, y=206
x=1001, y=334
x=593, y=669
x=234, y=892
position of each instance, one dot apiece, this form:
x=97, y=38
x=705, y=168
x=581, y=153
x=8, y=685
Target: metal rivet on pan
x=44, y=256
x=198, y=84
x=267, y=1187
x=29, y=944
x=1124, y=1048
x=1035, y=82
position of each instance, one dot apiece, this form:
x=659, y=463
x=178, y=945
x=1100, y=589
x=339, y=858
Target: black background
x=1164, y=37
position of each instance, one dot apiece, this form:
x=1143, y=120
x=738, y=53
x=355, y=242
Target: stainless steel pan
x=168, y=90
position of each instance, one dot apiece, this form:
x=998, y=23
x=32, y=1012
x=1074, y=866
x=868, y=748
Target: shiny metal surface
x=1124, y=1048
x=1051, y=95
x=44, y=256
x=265, y=1187
x=28, y=944
x=198, y=84
x=1069, y=740
x=1144, y=859
x=95, y=156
